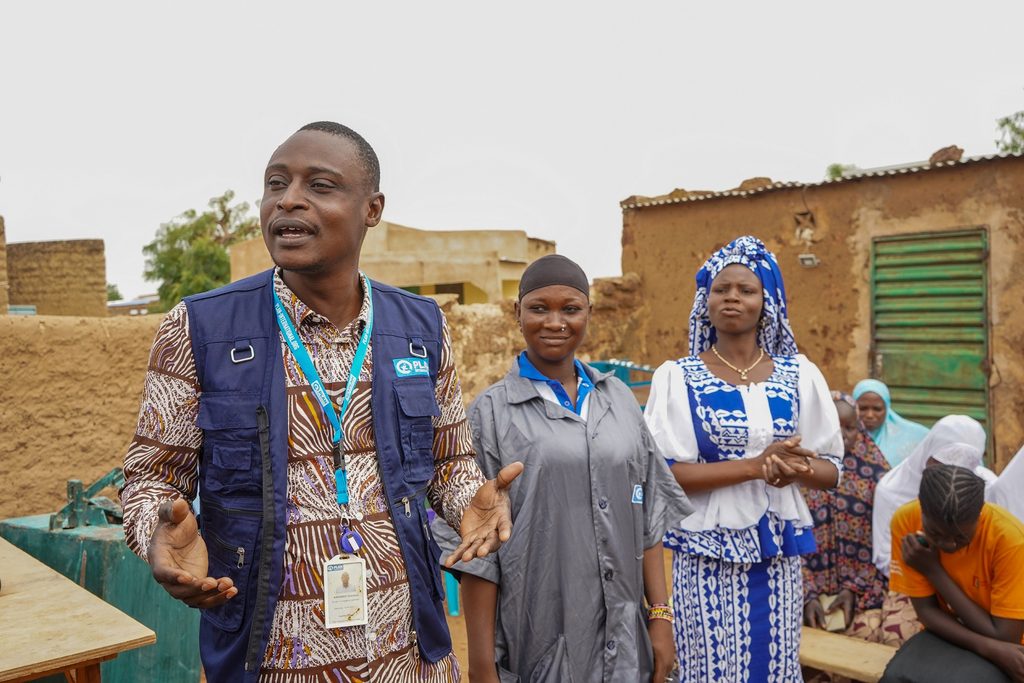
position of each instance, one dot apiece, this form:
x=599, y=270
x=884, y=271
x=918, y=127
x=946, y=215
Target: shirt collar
x=301, y=314
x=530, y=371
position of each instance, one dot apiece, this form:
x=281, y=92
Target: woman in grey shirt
x=564, y=599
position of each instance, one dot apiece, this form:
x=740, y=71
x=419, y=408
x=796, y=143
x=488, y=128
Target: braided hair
x=951, y=495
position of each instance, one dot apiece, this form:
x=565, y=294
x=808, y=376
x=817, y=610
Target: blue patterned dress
x=737, y=586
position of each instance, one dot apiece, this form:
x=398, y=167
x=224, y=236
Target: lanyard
x=291, y=337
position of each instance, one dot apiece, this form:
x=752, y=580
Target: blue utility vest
x=243, y=466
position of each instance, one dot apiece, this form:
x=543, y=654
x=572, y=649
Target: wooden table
x=50, y=625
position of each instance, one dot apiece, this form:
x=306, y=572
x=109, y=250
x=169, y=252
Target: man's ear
x=375, y=209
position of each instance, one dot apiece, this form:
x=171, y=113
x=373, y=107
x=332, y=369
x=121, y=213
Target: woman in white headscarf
x=902, y=483
x=1008, y=489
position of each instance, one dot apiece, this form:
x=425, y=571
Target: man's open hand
x=178, y=559
x=487, y=522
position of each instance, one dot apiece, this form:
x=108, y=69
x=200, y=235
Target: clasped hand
x=784, y=462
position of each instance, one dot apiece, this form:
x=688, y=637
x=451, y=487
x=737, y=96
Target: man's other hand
x=177, y=557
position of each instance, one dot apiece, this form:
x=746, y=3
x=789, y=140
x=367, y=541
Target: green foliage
x=837, y=171
x=1011, y=133
x=189, y=254
x=113, y=293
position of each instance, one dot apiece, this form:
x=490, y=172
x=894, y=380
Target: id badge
x=344, y=591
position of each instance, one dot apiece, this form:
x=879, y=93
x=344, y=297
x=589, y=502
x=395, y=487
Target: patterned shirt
x=162, y=463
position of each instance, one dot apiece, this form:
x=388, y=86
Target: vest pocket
x=228, y=421
x=230, y=536
x=417, y=407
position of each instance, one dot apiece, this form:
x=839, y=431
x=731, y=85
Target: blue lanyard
x=291, y=338
x=529, y=371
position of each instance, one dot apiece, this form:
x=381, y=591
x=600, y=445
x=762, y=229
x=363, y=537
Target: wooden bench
x=838, y=654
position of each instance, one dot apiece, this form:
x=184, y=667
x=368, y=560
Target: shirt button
x=611, y=645
x=568, y=405
x=609, y=575
x=603, y=503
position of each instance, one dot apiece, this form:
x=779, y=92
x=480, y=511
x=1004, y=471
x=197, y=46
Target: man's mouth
x=290, y=228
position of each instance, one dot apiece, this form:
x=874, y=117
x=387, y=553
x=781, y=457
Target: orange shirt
x=990, y=570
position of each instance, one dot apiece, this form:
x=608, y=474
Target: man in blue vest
x=314, y=412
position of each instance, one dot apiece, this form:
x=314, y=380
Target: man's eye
x=321, y=185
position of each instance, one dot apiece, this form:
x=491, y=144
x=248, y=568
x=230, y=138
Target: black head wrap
x=553, y=269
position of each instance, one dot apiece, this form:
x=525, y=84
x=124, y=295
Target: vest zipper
x=253, y=656
x=238, y=550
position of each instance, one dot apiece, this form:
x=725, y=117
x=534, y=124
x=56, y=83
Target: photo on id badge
x=345, y=592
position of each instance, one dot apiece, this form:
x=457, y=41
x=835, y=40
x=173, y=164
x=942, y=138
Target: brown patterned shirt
x=162, y=463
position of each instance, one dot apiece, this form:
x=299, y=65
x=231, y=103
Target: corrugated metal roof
x=866, y=173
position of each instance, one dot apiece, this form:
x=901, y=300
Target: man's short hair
x=371, y=166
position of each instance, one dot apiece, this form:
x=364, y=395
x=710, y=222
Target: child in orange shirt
x=961, y=561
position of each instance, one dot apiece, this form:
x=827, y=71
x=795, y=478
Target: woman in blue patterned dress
x=743, y=420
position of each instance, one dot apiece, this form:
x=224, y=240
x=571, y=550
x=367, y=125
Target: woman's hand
x=1010, y=658
x=847, y=602
x=814, y=614
x=488, y=675
x=784, y=462
x=919, y=554
x=664, y=647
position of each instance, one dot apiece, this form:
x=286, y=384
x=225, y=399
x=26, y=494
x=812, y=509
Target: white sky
x=115, y=117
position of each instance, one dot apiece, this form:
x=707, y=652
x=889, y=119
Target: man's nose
x=292, y=198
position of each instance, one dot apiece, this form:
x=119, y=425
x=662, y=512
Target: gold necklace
x=741, y=373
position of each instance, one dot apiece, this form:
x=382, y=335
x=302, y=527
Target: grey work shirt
x=593, y=496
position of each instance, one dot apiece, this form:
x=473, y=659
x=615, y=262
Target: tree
x=837, y=171
x=189, y=254
x=113, y=293
x=1011, y=133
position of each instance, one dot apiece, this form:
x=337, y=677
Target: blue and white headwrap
x=774, y=334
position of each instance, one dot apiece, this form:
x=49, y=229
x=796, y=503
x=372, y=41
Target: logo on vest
x=638, y=494
x=412, y=367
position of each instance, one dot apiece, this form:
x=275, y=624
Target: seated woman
x=901, y=484
x=895, y=435
x=961, y=560
x=842, y=570
x=564, y=599
x=1008, y=489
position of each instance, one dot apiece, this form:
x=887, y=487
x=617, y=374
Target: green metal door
x=930, y=323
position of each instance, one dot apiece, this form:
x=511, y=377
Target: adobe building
x=478, y=266
x=67, y=277
x=906, y=274
x=4, y=286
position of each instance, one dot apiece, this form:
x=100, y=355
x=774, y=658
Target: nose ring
x=563, y=328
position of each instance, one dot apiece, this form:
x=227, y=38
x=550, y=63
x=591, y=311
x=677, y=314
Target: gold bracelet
x=660, y=612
